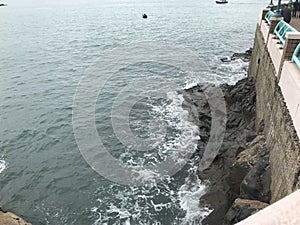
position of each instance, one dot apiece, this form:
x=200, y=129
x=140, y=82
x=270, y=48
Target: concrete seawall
x=266, y=169
x=277, y=86
x=273, y=116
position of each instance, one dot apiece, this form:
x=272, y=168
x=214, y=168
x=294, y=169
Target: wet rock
x=245, y=56
x=256, y=184
x=226, y=59
x=224, y=183
x=252, y=164
x=248, y=157
x=241, y=209
x=8, y=218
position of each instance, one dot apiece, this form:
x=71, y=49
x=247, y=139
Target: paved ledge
x=265, y=30
x=290, y=87
x=275, y=51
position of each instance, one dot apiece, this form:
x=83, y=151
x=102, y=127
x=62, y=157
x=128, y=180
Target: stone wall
x=273, y=118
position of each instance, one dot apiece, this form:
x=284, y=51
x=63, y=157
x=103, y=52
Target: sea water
x=46, y=49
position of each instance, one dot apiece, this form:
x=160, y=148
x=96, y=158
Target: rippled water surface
x=46, y=48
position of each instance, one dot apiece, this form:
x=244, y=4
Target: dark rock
x=1, y=4
x=251, y=153
x=224, y=182
x=256, y=184
x=253, y=163
x=226, y=59
x=261, y=126
x=241, y=209
x=219, y=201
x=241, y=167
x=250, y=138
x=245, y=159
x=245, y=56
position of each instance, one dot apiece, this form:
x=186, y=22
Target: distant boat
x=222, y=2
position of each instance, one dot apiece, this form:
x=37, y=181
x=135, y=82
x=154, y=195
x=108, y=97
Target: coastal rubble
x=240, y=173
x=245, y=56
x=8, y=218
x=241, y=209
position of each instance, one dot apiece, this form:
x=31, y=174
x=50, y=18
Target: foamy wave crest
x=182, y=136
x=190, y=84
x=162, y=199
x=3, y=165
x=189, y=195
x=178, y=118
x=232, y=71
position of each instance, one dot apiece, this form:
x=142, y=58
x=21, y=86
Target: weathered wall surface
x=273, y=118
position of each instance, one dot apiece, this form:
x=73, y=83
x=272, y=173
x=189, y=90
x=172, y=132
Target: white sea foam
x=189, y=196
x=3, y=165
x=52, y=213
x=146, y=175
x=232, y=71
x=123, y=213
x=190, y=84
x=159, y=195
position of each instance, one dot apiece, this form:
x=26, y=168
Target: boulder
x=245, y=56
x=256, y=184
x=246, y=158
x=8, y=218
x=241, y=209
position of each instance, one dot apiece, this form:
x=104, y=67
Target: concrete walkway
x=295, y=23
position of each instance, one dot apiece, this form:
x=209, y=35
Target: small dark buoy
x=145, y=16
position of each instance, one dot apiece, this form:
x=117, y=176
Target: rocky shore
x=239, y=177
x=244, y=56
x=8, y=218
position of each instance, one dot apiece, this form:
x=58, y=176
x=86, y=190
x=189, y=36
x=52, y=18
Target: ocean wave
x=232, y=71
x=189, y=196
x=3, y=165
x=163, y=199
